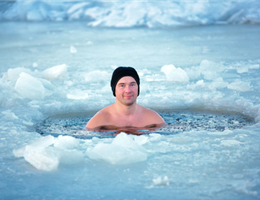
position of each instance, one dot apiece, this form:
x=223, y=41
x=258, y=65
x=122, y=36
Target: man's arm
x=97, y=120
x=154, y=118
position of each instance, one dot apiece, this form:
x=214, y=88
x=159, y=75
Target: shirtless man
x=125, y=112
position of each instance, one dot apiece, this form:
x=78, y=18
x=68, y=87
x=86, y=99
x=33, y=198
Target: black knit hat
x=121, y=72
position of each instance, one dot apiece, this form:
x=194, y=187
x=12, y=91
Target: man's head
x=122, y=72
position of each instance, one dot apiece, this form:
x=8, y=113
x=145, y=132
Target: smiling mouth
x=128, y=96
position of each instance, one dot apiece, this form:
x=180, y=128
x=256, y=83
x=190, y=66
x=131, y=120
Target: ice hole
x=73, y=124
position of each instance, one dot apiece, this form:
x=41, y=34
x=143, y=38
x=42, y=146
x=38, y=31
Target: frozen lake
x=197, y=73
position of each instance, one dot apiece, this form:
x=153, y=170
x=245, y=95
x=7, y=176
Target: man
x=125, y=112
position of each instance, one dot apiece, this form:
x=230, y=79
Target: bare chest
x=135, y=120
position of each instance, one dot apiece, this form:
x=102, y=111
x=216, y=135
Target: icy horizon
x=151, y=14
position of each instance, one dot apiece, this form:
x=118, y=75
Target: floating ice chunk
x=66, y=142
x=73, y=49
x=13, y=74
x=38, y=144
x=46, y=84
x=200, y=83
x=30, y=87
x=240, y=86
x=96, y=76
x=66, y=146
x=174, y=74
x=77, y=94
x=193, y=72
x=48, y=152
x=127, y=141
x=115, y=154
x=141, y=140
x=207, y=65
x=44, y=159
x=161, y=181
x=19, y=152
x=55, y=72
x=210, y=69
x=38, y=155
x=122, y=150
x=218, y=83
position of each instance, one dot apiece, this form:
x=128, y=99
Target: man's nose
x=127, y=89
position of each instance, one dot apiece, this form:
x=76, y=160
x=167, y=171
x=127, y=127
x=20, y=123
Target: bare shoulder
x=100, y=118
x=153, y=116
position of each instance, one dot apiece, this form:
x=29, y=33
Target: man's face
x=126, y=90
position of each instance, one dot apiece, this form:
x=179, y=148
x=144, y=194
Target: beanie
x=121, y=72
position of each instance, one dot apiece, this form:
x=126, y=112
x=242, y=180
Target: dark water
x=177, y=122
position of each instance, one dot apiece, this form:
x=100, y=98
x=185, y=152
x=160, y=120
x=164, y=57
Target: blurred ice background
x=56, y=58
x=134, y=13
